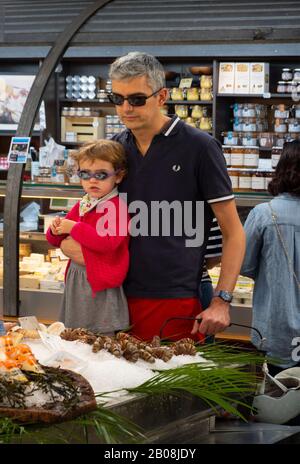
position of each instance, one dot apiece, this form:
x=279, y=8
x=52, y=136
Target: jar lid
x=297, y=69
x=282, y=82
x=286, y=69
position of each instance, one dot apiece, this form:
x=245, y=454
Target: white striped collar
x=171, y=127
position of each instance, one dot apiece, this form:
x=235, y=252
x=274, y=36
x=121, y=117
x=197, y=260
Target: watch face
x=226, y=296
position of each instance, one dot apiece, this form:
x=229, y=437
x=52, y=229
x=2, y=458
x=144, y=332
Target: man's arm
x=216, y=317
x=72, y=250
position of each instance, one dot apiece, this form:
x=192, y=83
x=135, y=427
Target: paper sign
x=186, y=83
x=29, y=323
x=18, y=150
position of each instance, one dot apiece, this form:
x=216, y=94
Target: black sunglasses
x=99, y=175
x=133, y=100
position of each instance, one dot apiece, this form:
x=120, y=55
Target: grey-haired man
x=171, y=161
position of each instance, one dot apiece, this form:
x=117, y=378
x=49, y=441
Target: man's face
x=138, y=117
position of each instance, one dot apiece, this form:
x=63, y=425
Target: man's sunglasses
x=133, y=100
x=99, y=175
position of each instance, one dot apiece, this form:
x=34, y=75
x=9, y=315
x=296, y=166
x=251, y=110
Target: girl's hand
x=65, y=226
x=55, y=224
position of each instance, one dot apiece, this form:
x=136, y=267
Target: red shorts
x=147, y=317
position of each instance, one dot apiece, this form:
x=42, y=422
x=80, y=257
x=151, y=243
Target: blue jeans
x=206, y=293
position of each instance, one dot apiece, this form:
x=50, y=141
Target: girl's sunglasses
x=99, y=175
x=133, y=100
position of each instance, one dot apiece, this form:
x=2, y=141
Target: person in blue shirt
x=273, y=260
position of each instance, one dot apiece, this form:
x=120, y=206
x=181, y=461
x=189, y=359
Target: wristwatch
x=224, y=295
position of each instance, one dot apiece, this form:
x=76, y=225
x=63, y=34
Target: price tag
x=186, y=83
x=266, y=95
x=29, y=323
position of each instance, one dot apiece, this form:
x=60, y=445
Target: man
x=171, y=161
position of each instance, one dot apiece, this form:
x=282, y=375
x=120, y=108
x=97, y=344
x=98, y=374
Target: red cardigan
x=106, y=257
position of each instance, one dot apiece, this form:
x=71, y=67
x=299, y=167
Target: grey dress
x=106, y=312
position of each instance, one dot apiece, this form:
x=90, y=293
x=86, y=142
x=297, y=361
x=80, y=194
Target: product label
x=245, y=182
x=237, y=159
x=234, y=181
x=251, y=159
x=258, y=183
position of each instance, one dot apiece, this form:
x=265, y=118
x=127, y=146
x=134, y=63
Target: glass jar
x=227, y=155
x=266, y=139
x=258, y=181
x=249, y=111
x=245, y=181
x=206, y=95
x=181, y=111
x=275, y=156
x=291, y=87
x=205, y=124
x=292, y=136
x=280, y=140
x=237, y=157
x=261, y=111
x=296, y=76
x=65, y=111
x=281, y=111
x=205, y=82
x=177, y=94
x=230, y=138
x=190, y=121
x=249, y=125
x=286, y=74
x=251, y=157
x=280, y=126
x=197, y=112
x=87, y=111
x=234, y=177
x=282, y=87
x=192, y=93
x=72, y=111
x=249, y=139
x=91, y=79
x=238, y=110
x=238, y=124
x=69, y=79
x=296, y=109
x=293, y=125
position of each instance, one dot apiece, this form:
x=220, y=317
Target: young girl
x=94, y=297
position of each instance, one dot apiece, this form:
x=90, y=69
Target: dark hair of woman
x=287, y=175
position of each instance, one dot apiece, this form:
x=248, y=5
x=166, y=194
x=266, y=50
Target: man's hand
x=65, y=226
x=72, y=250
x=214, y=319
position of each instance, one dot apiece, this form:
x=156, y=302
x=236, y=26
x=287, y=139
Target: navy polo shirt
x=182, y=164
